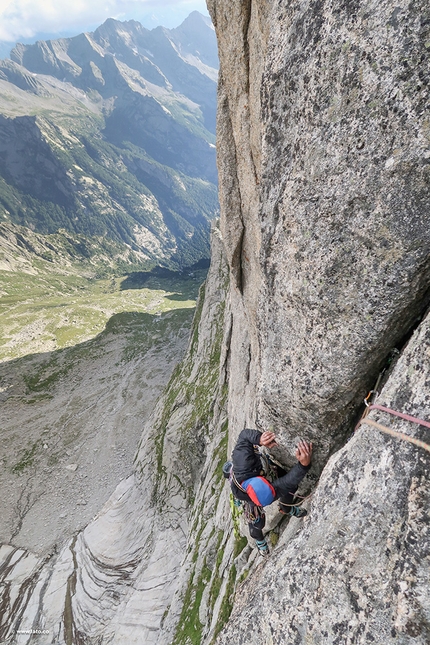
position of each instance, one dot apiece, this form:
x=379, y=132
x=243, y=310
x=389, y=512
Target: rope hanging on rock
x=300, y=499
x=393, y=433
x=402, y=415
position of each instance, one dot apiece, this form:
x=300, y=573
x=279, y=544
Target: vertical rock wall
x=323, y=153
x=242, y=30
x=356, y=570
x=344, y=205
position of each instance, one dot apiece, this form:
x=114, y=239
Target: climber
x=249, y=485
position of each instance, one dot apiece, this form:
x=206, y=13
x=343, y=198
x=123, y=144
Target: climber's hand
x=304, y=453
x=268, y=439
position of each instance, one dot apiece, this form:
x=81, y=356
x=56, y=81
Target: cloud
x=23, y=19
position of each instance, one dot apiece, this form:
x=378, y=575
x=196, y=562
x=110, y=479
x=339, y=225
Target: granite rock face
x=356, y=569
x=344, y=204
x=324, y=154
x=323, y=168
x=242, y=32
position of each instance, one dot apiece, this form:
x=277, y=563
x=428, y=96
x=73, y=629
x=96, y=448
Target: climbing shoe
x=262, y=547
x=292, y=511
x=296, y=511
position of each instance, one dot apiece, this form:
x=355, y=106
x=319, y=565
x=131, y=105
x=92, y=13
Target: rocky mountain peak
x=130, y=101
x=194, y=37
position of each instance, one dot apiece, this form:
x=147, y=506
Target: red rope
x=393, y=433
x=407, y=417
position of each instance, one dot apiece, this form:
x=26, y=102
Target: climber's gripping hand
x=268, y=439
x=304, y=453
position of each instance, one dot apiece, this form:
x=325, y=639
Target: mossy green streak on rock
x=38, y=383
x=220, y=455
x=198, y=395
x=227, y=603
x=198, y=315
x=217, y=579
x=189, y=629
x=26, y=459
x=170, y=398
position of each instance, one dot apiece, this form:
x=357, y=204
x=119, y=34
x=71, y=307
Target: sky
x=26, y=20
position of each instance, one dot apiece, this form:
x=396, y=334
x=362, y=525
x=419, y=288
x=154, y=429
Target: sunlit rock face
x=344, y=205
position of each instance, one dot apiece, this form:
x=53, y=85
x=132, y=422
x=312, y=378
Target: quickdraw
x=252, y=512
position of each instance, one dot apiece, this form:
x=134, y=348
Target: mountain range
x=110, y=136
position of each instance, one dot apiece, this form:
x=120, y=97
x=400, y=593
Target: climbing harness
x=393, y=433
x=252, y=512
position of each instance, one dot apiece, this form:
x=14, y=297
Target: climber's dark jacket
x=247, y=464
